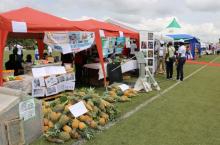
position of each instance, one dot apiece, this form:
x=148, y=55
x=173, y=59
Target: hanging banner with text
x=68, y=42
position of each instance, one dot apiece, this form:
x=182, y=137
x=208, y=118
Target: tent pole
x=3, y=38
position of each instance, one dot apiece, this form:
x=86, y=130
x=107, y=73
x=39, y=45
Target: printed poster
x=120, y=43
x=108, y=45
x=112, y=41
x=68, y=42
x=105, y=46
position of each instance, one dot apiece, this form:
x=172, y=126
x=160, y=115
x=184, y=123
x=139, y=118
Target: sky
x=197, y=17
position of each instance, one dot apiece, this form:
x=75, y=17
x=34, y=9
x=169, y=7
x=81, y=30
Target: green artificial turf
x=187, y=115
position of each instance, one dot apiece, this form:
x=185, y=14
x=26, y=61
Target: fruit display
x=60, y=125
x=12, y=78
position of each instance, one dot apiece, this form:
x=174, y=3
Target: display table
x=49, y=64
x=23, y=85
x=125, y=67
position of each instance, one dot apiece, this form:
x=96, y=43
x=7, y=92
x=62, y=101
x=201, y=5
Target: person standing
x=181, y=59
x=170, y=52
x=19, y=53
x=161, y=58
x=50, y=50
x=36, y=51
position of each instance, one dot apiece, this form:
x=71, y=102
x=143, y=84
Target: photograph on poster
x=51, y=91
x=61, y=87
x=39, y=92
x=73, y=38
x=36, y=83
x=144, y=45
x=150, y=53
x=51, y=81
x=150, y=45
x=69, y=85
x=70, y=77
x=61, y=78
x=150, y=62
x=150, y=36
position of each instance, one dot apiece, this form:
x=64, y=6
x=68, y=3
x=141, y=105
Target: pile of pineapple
x=60, y=125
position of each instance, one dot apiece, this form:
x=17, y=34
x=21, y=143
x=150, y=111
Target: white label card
x=78, y=109
x=123, y=87
x=19, y=26
x=101, y=33
x=121, y=34
x=27, y=109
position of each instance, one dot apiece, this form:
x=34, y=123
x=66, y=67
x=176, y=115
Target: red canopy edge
x=109, y=29
x=37, y=23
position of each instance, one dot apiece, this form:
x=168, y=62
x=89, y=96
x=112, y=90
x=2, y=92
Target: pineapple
x=64, y=136
x=102, y=121
x=75, y=123
x=67, y=129
x=82, y=126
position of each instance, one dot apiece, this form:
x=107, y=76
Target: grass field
x=186, y=115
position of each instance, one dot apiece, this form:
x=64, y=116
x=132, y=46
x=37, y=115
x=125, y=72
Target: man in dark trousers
x=170, y=58
x=181, y=59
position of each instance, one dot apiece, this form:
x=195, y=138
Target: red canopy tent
x=37, y=23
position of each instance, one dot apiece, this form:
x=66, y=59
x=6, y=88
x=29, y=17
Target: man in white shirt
x=19, y=52
x=181, y=59
x=50, y=51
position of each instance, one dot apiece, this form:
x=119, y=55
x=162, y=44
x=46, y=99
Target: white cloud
x=203, y=5
x=204, y=31
x=198, y=17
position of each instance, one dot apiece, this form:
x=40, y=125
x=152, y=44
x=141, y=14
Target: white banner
x=19, y=26
x=68, y=42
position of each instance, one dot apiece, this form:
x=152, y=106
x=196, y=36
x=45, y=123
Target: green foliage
x=27, y=43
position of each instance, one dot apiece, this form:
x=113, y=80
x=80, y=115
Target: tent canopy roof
x=91, y=24
x=36, y=21
x=183, y=36
x=174, y=24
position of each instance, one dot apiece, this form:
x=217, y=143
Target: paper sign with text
x=27, y=109
x=124, y=87
x=78, y=109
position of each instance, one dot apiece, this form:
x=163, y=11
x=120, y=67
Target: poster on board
x=120, y=43
x=68, y=42
x=105, y=46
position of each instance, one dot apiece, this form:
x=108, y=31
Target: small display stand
x=146, y=79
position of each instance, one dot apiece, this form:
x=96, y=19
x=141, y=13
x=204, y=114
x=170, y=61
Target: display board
x=52, y=84
x=147, y=46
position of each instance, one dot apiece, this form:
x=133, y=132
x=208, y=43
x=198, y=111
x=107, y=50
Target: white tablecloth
x=125, y=67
